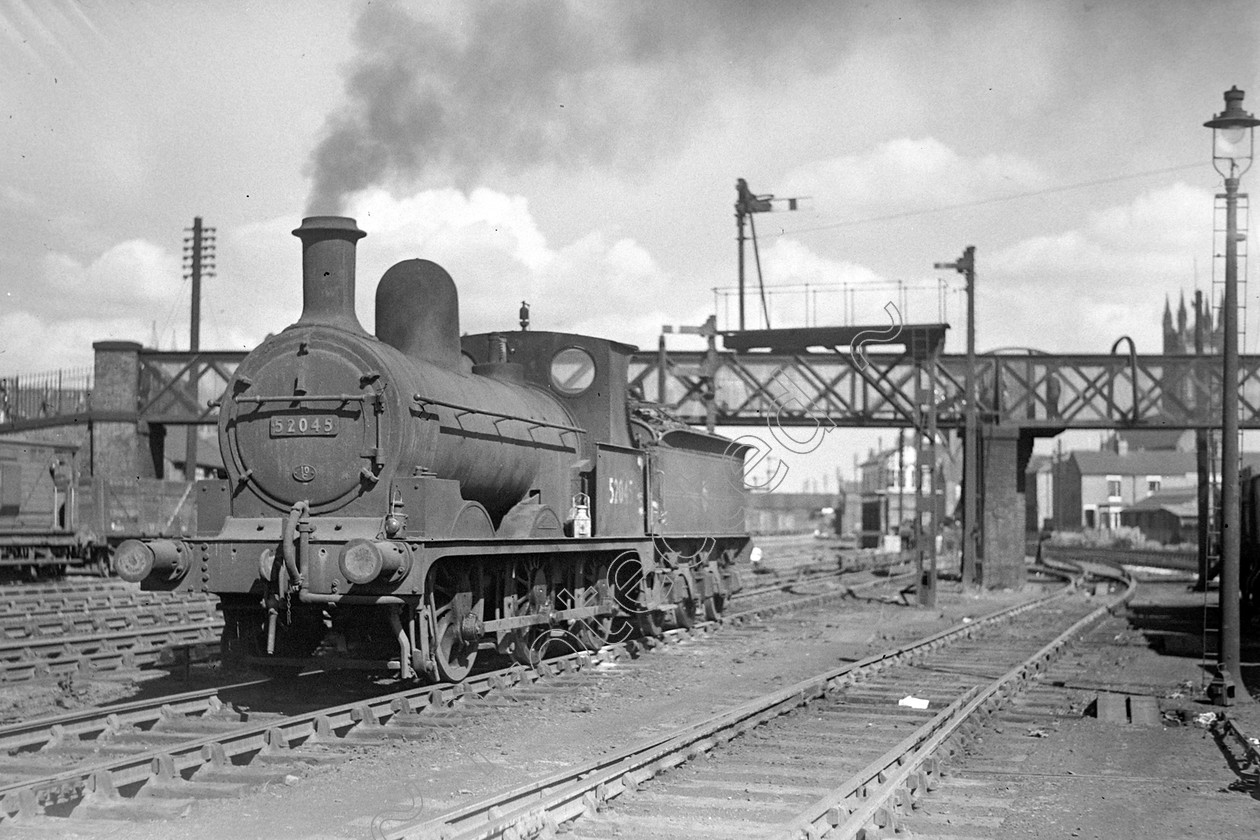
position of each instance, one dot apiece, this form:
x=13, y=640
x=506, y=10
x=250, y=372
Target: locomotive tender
x=412, y=497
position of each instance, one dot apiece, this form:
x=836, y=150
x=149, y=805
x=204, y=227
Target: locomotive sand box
x=407, y=499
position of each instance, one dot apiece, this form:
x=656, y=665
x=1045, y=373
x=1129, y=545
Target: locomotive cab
x=587, y=376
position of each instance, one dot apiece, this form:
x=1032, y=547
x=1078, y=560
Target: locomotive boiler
x=416, y=497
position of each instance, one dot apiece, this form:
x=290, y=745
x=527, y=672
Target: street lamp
x=1233, y=144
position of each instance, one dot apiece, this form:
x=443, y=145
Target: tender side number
x=620, y=491
x=298, y=426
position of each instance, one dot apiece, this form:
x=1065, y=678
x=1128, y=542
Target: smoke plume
x=504, y=85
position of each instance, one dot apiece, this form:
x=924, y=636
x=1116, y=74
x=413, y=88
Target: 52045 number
x=300, y=426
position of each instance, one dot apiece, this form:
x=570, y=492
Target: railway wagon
x=53, y=518
x=412, y=498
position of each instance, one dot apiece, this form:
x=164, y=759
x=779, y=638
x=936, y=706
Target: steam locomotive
x=410, y=499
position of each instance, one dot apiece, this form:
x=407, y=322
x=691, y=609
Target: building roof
x=1135, y=463
x=1180, y=502
x=1037, y=463
x=1148, y=440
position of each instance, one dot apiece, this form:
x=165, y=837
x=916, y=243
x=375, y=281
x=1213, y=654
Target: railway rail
x=805, y=574
x=60, y=629
x=757, y=770
x=43, y=620
x=65, y=586
x=154, y=758
x=136, y=647
x=23, y=601
x=52, y=633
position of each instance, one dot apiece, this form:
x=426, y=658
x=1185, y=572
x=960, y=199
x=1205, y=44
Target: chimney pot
x=328, y=254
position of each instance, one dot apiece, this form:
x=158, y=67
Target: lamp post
x=1232, y=147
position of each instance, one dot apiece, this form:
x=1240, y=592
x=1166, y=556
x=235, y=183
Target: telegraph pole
x=198, y=263
x=966, y=266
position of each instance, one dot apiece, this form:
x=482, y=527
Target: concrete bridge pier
x=1004, y=454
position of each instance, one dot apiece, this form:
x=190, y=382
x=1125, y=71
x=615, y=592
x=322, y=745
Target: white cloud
x=447, y=220
x=491, y=245
x=129, y=277
x=1159, y=232
x=1081, y=288
x=790, y=261
x=913, y=173
x=30, y=343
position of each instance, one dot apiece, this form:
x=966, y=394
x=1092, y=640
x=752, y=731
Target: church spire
x=1170, y=337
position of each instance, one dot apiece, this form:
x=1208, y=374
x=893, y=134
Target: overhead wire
x=994, y=200
x=170, y=313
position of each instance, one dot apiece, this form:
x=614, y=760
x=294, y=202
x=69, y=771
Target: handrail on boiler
x=467, y=409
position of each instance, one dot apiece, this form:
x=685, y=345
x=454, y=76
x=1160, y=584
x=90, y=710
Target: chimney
x=328, y=244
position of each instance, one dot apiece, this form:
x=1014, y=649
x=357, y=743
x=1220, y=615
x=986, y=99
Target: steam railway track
x=154, y=758
x=47, y=621
x=834, y=755
x=118, y=598
x=135, y=647
x=794, y=578
x=14, y=593
x=52, y=631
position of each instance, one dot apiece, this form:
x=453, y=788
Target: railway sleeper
x=168, y=783
x=104, y=802
x=252, y=775
x=176, y=722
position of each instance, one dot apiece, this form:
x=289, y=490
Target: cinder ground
x=681, y=684
x=1084, y=778
x=1100, y=779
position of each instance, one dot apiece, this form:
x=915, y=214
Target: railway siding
x=1113, y=741
x=773, y=733
x=81, y=628
x=198, y=741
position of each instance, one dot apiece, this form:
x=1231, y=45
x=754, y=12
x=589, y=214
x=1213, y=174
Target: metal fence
x=31, y=395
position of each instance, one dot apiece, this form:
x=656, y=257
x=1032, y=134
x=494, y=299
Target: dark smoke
x=518, y=84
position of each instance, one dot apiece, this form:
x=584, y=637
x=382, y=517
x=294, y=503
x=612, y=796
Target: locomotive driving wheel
x=457, y=622
x=532, y=595
x=593, y=633
x=684, y=612
x=713, y=606
x=635, y=596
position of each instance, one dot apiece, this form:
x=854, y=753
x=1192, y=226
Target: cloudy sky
x=583, y=156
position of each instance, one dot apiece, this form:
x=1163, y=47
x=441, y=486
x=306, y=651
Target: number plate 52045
x=303, y=426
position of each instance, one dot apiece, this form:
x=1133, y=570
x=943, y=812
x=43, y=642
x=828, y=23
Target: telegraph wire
x=995, y=200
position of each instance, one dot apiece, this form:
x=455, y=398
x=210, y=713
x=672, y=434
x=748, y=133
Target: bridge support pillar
x=1004, y=455
x=120, y=447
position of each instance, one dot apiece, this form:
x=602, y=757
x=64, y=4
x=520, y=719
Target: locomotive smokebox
x=328, y=251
